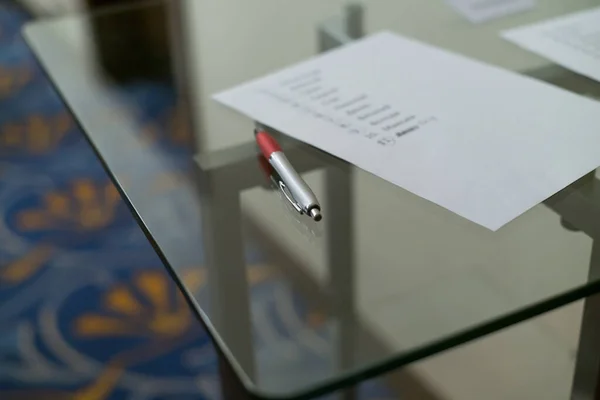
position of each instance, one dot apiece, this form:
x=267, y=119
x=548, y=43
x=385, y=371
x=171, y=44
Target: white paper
x=478, y=11
x=572, y=41
x=482, y=142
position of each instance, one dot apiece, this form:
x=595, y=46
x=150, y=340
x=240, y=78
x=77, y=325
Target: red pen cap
x=267, y=144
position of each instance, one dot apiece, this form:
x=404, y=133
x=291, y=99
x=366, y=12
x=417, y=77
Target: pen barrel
x=295, y=184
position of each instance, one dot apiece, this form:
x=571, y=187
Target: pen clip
x=288, y=196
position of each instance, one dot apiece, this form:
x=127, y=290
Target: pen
x=303, y=198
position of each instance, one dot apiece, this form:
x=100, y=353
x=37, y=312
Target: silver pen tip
x=315, y=213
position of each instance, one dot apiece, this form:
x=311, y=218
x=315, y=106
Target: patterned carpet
x=87, y=311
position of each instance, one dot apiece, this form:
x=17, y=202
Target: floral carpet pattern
x=87, y=310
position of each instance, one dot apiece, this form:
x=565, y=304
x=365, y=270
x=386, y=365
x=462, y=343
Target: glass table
x=387, y=278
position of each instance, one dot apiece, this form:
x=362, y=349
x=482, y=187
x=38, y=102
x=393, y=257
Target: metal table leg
x=231, y=387
x=340, y=259
x=587, y=367
x=229, y=297
x=354, y=20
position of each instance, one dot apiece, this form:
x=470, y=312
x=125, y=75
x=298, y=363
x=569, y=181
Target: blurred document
x=572, y=41
x=485, y=143
x=484, y=10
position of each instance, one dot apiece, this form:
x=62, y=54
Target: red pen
x=303, y=199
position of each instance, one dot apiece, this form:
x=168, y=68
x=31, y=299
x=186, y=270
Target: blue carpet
x=87, y=310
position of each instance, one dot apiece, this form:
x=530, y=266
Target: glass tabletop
x=301, y=308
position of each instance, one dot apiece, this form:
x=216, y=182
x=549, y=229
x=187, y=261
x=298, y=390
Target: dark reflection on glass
x=132, y=46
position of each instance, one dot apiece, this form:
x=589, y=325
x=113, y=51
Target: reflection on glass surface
x=386, y=278
x=441, y=25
